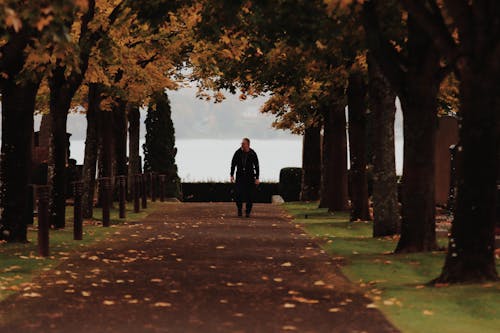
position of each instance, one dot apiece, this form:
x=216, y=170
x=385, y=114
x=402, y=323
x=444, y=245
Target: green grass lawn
x=396, y=282
x=19, y=263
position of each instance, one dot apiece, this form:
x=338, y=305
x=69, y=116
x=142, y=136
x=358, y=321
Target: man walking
x=246, y=163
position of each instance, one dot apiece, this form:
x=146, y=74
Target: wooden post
x=162, y=187
x=154, y=186
x=43, y=193
x=122, y=195
x=136, y=193
x=77, y=211
x=106, y=200
x=144, y=193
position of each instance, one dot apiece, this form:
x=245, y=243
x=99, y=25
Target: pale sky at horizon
x=207, y=122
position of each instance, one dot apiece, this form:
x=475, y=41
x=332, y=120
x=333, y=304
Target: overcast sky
x=197, y=119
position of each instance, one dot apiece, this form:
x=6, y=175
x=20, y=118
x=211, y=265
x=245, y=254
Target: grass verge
x=396, y=282
x=19, y=263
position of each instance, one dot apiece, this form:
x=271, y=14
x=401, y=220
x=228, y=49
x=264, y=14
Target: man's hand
x=232, y=179
x=257, y=182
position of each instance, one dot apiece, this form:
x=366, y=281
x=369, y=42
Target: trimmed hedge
x=224, y=192
x=290, y=183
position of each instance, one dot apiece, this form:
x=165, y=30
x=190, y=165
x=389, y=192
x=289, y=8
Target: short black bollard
x=144, y=193
x=123, y=195
x=43, y=193
x=106, y=188
x=136, y=191
x=154, y=186
x=162, y=187
x=77, y=211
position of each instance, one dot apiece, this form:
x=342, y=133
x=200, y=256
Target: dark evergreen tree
x=159, y=149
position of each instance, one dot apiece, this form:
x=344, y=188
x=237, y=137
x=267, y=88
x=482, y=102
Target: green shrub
x=224, y=192
x=290, y=183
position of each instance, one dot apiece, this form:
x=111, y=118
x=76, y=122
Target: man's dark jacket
x=247, y=167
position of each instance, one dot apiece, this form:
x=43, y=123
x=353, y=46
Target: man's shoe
x=247, y=215
x=240, y=214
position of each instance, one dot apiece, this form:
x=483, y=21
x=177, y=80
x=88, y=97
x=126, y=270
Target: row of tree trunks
x=356, y=99
x=91, y=148
x=416, y=79
x=311, y=164
x=334, y=192
x=386, y=212
x=470, y=256
x=18, y=106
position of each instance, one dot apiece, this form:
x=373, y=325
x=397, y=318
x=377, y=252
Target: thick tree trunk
x=386, y=212
x=470, y=255
x=356, y=95
x=91, y=147
x=419, y=102
x=134, y=118
x=418, y=229
x=60, y=100
x=18, y=106
x=334, y=177
x=106, y=150
x=106, y=144
x=311, y=164
x=120, y=137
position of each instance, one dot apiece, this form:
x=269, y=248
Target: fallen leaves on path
x=304, y=300
x=162, y=304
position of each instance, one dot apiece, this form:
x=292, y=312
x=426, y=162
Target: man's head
x=245, y=144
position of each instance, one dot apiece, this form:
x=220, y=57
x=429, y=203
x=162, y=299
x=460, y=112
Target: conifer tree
x=159, y=149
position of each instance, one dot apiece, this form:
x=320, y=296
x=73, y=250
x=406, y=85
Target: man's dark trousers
x=245, y=188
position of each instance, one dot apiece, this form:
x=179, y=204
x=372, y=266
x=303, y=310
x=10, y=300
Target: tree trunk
x=470, y=255
x=106, y=144
x=120, y=137
x=386, y=219
x=91, y=146
x=311, y=164
x=418, y=229
x=18, y=106
x=134, y=118
x=356, y=95
x=419, y=102
x=334, y=178
x=60, y=101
